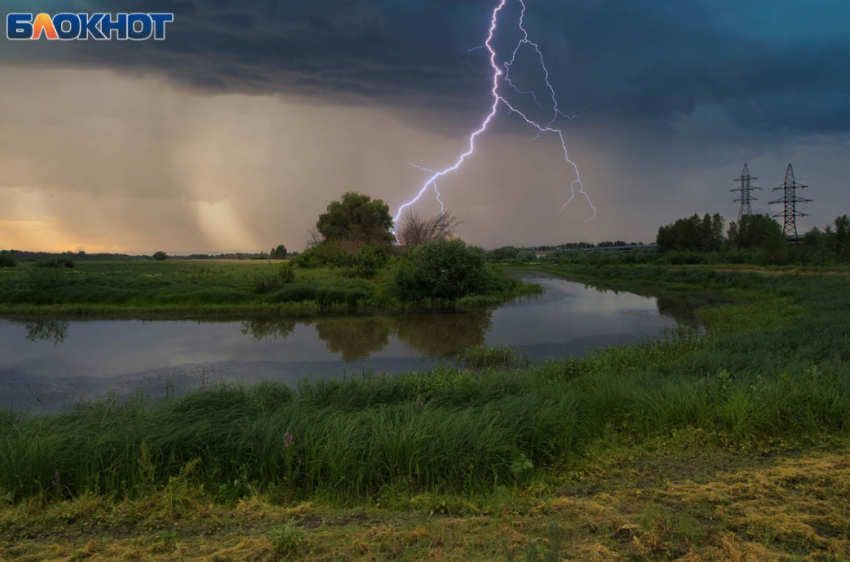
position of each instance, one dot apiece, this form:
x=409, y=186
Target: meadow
x=206, y=288
x=730, y=445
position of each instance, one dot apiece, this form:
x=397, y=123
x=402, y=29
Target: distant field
x=247, y=262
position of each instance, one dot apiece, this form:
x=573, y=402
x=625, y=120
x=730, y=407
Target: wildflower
x=288, y=438
x=298, y=462
x=56, y=479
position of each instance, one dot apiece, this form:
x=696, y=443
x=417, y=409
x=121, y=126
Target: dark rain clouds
x=770, y=66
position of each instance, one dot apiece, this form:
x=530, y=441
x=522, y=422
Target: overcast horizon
x=234, y=133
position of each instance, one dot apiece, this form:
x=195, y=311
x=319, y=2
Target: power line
x=745, y=188
x=789, y=200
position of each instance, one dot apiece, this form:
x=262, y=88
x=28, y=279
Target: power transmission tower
x=746, y=189
x=790, y=200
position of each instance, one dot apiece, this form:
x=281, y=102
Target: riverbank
x=204, y=290
x=496, y=444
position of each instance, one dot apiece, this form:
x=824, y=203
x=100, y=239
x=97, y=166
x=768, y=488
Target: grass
x=623, y=503
x=503, y=445
x=142, y=289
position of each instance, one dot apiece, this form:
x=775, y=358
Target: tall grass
x=774, y=367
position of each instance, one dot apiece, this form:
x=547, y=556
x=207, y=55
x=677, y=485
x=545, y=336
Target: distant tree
x=8, y=259
x=160, y=256
x=415, y=229
x=278, y=253
x=692, y=234
x=504, y=253
x=357, y=217
x=757, y=231
x=840, y=237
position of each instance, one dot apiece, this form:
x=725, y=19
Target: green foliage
x=757, y=231
x=278, y=253
x=183, y=287
x=693, y=234
x=287, y=539
x=286, y=273
x=330, y=253
x=840, y=237
x=160, y=256
x=484, y=357
x=56, y=263
x=511, y=254
x=444, y=269
x=8, y=259
x=271, y=278
x=357, y=218
x=370, y=259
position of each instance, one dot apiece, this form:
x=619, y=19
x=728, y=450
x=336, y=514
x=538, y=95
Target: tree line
x=758, y=234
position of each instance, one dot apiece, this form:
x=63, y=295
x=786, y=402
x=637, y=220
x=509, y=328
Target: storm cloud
x=676, y=95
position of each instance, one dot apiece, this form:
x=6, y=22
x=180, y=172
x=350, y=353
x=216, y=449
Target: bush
x=328, y=253
x=286, y=540
x=160, y=256
x=444, y=269
x=8, y=259
x=286, y=273
x=56, y=263
x=271, y=278
x=370, y=259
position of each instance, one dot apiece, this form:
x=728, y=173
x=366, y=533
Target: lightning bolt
x=504, y=75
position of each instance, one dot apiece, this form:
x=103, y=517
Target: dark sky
x=235, y=132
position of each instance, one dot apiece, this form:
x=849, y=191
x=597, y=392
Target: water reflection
x=354, y=339
x=264, y=329
x=47, y=330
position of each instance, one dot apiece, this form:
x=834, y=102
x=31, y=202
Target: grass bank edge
x=261, y=310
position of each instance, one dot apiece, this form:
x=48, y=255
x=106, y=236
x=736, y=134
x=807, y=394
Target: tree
x=8, y=259
x=415, y=230
x=358, y=218
x=757, y=231
x=160, y=256
x=693, y=234
x=278, y=253
x=840, y=237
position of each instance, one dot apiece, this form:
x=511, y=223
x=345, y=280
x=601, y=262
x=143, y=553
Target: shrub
x=444, y=269
x=369, y=259
x=286, y=273
x=265, y=280
x=8, y=259
x=56, y=263
x=286, y=539
x=328, y=253
x=160, y=256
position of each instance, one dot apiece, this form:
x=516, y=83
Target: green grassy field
x=204, y=289
x=730, y=445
